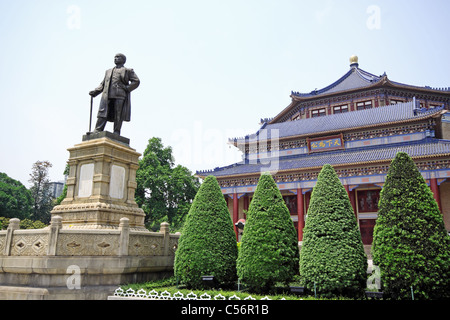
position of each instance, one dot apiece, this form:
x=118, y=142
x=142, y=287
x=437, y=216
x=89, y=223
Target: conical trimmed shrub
x=269, y=248
x=332, y=257
x=207, y=245
x=410, y=245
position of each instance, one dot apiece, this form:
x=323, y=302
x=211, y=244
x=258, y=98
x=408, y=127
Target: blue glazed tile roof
x=338, y=122
x=355, y=78
x=427, y=147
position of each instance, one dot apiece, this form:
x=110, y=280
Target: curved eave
x=382, y=83
x=379, y=83
x=340, y=165
x=284, y=111
x=385, y=81
x=398, y=85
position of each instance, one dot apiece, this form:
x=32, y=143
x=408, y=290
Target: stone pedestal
x=101, y=184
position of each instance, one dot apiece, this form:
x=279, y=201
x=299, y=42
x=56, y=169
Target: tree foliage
x=207, y=245
x=40, y=191
x=332, y=257
x=269, y=249
x=15, y=199
x=164, y=191
x=410, y=245
x=24, y=224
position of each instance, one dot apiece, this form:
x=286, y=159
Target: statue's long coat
x=130, y=81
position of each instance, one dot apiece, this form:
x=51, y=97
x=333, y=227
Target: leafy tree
x=269, y=249
x=15, y=198
x=4, y=222
x=207, y=245
x=164, y=191
x=410, y=244
x=24, y=224
x=332, y=257
x=30, y=224
x=40, y=191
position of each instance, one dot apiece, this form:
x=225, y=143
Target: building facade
x=357, y=124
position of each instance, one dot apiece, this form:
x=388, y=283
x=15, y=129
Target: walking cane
x=90, y=116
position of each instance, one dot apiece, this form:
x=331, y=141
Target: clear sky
x=209, y=69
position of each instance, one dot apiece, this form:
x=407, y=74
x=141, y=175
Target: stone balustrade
x=55, y=240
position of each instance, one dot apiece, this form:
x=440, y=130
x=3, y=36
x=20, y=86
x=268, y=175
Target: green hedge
x=269, y=248
x=207, y=245
x=411, y=245
x=332, y=258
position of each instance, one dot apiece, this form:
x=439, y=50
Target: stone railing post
x=13, y=225
x=55, y=225
x=124, y=228
x=165, y=230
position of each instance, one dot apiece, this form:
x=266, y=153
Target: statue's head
x=120, y=58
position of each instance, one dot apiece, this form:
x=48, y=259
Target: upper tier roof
x=356, y=78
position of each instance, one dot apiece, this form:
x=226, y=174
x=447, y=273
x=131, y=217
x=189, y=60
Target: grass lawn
x=170, y=285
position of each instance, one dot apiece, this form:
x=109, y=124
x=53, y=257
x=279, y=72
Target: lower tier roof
x=429, y=147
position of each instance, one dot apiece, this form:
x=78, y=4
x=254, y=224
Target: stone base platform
x=56, y=263
x=76, y=278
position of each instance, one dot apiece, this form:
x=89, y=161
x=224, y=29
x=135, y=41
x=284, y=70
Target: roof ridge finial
x=354, y=61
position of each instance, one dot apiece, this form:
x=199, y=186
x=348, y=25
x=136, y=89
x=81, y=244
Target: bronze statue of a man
x=115, y=88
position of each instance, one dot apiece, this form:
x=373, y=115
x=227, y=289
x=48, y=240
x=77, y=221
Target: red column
x=353, y=201
x=435, y=189
x=351, y=196
x=300, y=213
x=235, y=213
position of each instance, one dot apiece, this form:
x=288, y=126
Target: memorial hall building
x=357, y=124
